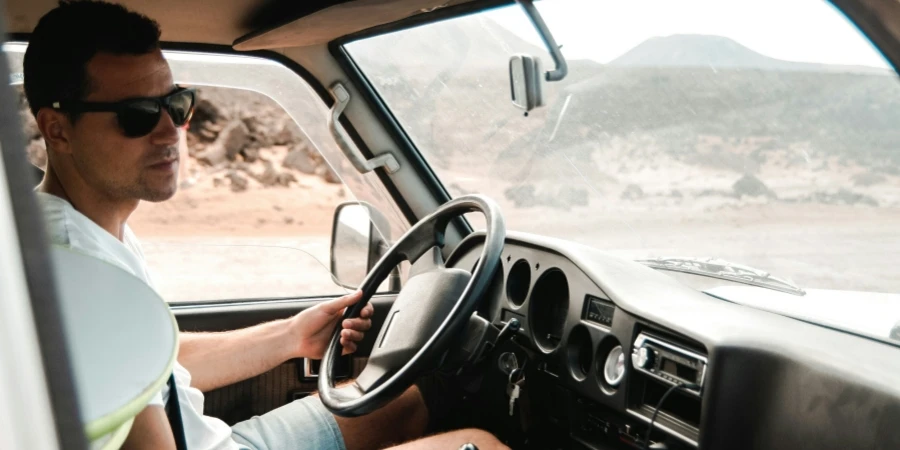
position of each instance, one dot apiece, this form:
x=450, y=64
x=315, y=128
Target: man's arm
x=219, y=359
x=150, y=431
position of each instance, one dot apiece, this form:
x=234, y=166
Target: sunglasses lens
x=139, y=118
x=181, y=106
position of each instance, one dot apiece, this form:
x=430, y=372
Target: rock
x=260, y=134
x=329, y=175
x=213, y=127
x=269, y=176
x=205, y=111
x=288, y=134
x=239, y=165
x=632, y=192
x=218, y=182
x=273, y=177
x=213, y=155
x=206, y=134
x=288, y=220
x=853, y=198
x=676, y=194
x=250, y=155
x=573, y=196
x=285, y=179
x=868, y=179
x=298, y=158
x=843, y=196
x=455, y=189
x=233, y=138
x=751, y=186
x=522, y=196
x=228, y=144
x=239, y=183
x=254, y=125
x=716, y=193
x=37, y=153
x=889, y=169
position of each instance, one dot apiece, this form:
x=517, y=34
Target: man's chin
x=160, y=194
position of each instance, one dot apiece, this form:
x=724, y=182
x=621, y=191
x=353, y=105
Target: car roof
x=277, y=23
x=270, y=24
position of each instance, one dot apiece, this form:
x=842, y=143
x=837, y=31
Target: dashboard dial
x=614, y=368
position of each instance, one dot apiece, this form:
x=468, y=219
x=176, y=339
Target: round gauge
x=547, y=309
x=614, y=368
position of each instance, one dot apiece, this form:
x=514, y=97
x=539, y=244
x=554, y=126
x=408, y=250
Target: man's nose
x=165, y=133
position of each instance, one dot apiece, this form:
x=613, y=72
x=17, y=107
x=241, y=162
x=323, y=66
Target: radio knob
x=643, y=358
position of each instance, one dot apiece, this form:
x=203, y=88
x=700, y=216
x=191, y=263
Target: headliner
x=273, y=23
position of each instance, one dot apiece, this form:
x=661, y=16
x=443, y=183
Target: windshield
x=705, y=129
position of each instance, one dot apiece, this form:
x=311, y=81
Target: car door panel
x=284, y=383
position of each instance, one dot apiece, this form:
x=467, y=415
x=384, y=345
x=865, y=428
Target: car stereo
x=668, y=362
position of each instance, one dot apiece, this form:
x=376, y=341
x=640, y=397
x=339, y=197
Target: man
x=105, y=102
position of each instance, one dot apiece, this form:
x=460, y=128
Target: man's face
x=120, y=167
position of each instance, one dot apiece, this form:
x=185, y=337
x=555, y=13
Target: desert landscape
x=789, y=167
x=686, y=145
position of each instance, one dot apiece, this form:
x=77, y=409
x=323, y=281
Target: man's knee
x=455, y=439
x=412, y=407
x=482, y=439
x=403, y=419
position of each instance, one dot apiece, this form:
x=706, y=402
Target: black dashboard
x=751, y=378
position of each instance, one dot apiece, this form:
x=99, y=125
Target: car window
x=259, y=182
x=713, y=130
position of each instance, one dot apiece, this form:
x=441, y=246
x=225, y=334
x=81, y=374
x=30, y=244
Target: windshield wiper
x=718, y=268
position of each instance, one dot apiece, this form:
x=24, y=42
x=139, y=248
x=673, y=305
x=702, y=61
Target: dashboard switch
x=642, y=358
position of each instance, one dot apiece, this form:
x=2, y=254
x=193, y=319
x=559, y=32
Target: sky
x=794, y=30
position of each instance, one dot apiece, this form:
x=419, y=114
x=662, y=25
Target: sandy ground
x=211, y=243
x=207, y=243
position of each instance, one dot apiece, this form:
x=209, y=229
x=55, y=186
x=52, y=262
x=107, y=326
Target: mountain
x=448, y=86
x=716, y=52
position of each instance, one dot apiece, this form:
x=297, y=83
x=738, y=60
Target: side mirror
x=525, y=81
x=360, y=235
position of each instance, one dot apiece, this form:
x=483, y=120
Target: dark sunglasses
x=138, y=116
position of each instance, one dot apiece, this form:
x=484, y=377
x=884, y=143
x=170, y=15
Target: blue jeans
x=300, y=425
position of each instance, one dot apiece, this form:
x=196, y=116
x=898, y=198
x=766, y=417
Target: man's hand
x=313, y=327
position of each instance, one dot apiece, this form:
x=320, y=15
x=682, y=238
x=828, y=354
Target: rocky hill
x=704, y=103
x=236, y=140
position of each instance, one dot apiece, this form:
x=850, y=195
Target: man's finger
x=368, y=311
x=349, y=347
x=357, y=324
x=337, y=305
x=352, y=335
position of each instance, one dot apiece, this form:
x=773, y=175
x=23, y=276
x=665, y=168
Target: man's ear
x=56, y=128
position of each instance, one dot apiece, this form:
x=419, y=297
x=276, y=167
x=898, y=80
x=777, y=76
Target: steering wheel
x=429, y=313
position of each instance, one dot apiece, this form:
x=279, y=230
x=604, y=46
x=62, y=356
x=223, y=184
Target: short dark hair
x=68, y=36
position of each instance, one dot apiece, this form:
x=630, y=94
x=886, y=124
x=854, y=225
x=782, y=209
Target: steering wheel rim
x=404, y=334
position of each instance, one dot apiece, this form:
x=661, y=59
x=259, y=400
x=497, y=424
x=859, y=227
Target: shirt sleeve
x=157, y=399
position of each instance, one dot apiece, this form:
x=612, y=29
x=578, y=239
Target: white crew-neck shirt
x=69, y=228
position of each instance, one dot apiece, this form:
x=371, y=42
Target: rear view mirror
x=525, y=81
x=359, y=237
